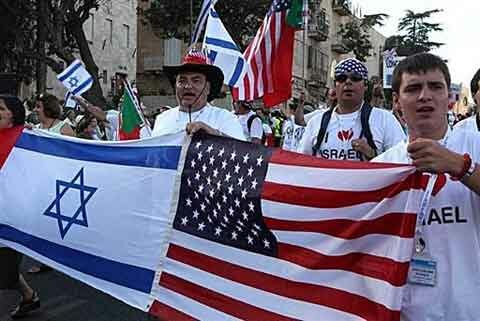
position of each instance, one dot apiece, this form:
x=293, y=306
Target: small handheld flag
x=76, y=78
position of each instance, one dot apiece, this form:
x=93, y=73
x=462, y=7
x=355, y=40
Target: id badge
x=423, y=271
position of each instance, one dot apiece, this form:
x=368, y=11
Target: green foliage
x=416, y=32
x=171, y=18
x=355, y=34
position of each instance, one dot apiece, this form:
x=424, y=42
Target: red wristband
x=467, y=162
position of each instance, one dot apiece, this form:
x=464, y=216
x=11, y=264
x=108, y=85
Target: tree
x=170, y=18
x=54, y=34
x=418, y=30
x=355, y=34
x=15, y=35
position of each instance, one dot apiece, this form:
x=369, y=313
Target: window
x=105, y=77
x=172, y=51
x=109, y=30
x=126, y=35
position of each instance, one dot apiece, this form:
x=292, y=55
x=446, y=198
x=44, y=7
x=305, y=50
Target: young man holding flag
x=446, y=286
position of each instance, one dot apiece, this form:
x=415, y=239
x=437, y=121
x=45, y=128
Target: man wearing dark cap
x=251, y=123
x=352, y=130
x=196, y=83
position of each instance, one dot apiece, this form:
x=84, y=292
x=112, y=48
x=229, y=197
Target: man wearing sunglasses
x=351, y=130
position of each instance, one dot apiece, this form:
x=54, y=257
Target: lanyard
x=420, y=242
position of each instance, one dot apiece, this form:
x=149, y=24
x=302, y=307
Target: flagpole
x=191, y=19
x=305, y=31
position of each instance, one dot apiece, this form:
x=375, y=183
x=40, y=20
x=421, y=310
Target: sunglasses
x=353, y=77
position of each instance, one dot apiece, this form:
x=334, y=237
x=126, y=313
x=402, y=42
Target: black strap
x=250, y=121
x=366, y=132
x=323, y=130
x=477, y=119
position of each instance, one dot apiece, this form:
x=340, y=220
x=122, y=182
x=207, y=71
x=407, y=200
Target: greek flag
x=202, y=17
x=76, y=78
x=222, y=50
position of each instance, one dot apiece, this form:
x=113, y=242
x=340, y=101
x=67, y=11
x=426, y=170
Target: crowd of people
x=349, y=127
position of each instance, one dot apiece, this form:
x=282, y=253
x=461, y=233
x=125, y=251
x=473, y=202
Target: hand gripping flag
x=76, y=78
x=222, y=50
x=215, y=230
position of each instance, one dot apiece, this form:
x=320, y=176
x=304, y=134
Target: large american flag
x=272, y=235
x=269, y=59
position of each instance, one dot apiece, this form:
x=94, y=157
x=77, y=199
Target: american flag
x=269, y=59
x=263, y=234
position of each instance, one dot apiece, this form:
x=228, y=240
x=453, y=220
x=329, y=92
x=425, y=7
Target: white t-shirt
x=468, y=124
x=256, y=128
x=174, y=121
x=311, y=115
x=112, y=127
x=452, y=233
x=343, y=128
x=292, y=134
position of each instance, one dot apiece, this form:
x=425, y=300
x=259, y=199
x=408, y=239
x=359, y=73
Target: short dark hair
x=16, y=108
x=419, y=63
x=474, y=84
x=51, y=105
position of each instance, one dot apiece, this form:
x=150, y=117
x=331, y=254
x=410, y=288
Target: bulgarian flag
x=131, y=119
x=297, y=14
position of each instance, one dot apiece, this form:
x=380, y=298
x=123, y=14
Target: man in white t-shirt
x=249, y=120
x=449, y=287
x=196, y=82
x=352, y=130
x=294, y=126
x=472, y=123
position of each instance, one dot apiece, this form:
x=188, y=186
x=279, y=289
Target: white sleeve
x=256, y=130
x=393, y=132
x=231, y=127
x=306, y=144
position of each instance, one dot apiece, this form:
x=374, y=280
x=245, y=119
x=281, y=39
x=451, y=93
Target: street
x=65, y=299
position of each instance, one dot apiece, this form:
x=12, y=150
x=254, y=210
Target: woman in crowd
x=49, y=111
x=12, y=113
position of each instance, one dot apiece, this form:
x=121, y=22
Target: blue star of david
x=65, y=222
x=73, y=81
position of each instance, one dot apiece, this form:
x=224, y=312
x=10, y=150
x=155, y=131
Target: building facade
x=317, y=50
x=320, y=47
x=112, y=35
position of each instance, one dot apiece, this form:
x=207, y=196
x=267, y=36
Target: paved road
x=65, y=299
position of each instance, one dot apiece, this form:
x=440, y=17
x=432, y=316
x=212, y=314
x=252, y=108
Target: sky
x=460, y=20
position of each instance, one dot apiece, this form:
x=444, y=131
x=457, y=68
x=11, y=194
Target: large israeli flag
x=76, y=78
x=97, y=211
x=222, y=50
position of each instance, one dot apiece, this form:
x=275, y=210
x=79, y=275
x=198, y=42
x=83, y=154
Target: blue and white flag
x=97, y=211
x=69, y=101
x=222, y=50
x=76, y=78
x=202, y=17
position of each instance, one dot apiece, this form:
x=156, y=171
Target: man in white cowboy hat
x=351, y=130
x=196, y=83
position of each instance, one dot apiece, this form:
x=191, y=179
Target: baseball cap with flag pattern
x=351, y=65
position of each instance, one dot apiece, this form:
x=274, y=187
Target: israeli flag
x=222, y=50
x=69, y=101
x=76, y=78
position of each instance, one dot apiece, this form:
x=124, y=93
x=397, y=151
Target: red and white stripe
x=260, y=56
x=345, y=234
